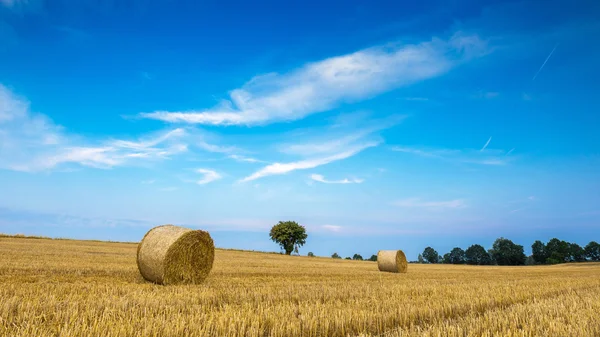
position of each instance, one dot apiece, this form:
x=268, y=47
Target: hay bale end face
x=175, y=255
x=393, y=261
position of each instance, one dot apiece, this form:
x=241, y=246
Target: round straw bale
x=175, y=255
x=392, y=260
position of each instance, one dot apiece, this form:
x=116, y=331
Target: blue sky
x=388, y=125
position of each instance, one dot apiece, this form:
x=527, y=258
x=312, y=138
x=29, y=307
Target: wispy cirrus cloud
x=244, y=159
x=323, y=85
x=324, y=145
x=283, y=168
x=332, y=228
x=483, y=156
x=321, y=179
x=486, y=144
x=32, y=142
x=208, y=176
x=337, y=138
x=418, y=203
x=545, y=61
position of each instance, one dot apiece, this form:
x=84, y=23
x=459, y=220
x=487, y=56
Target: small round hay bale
x=175, y=255
x=393, y=261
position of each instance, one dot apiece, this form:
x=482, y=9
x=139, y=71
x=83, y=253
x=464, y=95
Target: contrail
x=486, y=144
x=543, y=64
x=509, y=152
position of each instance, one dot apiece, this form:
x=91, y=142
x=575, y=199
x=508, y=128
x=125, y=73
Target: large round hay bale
x=392, y=260
x=175, y=255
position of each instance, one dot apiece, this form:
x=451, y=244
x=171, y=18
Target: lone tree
x=373, y=258
x=289, y=235
x=335, y=256
x=357, y=257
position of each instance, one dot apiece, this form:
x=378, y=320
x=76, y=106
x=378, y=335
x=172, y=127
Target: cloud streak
x=490, y=157
x=486, y=144
x=284, y=168
x=332, y=228
x=31, y=142
x=323, y=85
x=208, y=176
x=544, y=64
x=244, y=159
x=321, y=179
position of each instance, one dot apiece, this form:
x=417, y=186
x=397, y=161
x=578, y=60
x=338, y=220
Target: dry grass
x=84, y=288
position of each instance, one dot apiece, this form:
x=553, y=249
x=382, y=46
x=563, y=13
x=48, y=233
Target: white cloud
x=324, y=145
x=32, y=142
x=491, y=157
x=283, y=168
x=323, y=85
x=332, y=228
x=208, y=176
x=417, y=203
x=245, y=159
x=320, y=178
x=214, y=148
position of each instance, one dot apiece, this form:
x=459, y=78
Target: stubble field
x=88, y=288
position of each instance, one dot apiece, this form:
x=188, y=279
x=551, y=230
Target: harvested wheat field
x=89, y=288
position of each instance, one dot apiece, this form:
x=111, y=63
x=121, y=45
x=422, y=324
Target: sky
x=383, y=125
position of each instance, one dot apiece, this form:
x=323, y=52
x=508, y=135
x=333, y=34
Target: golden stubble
x=87, y=288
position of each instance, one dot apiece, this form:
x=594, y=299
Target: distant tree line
x=356, y=257
x=504, y=252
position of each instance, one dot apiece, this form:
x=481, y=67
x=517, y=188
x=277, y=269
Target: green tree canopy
x=289, y=235
x=373, y=258
x=457, y=256
x=431, y=255
x=558, y=251
x=507, y=253
x=357, y=257
x=335, y=256
x=577, y=253
x=592, y=251
x=538, y=250
x=477, y=255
